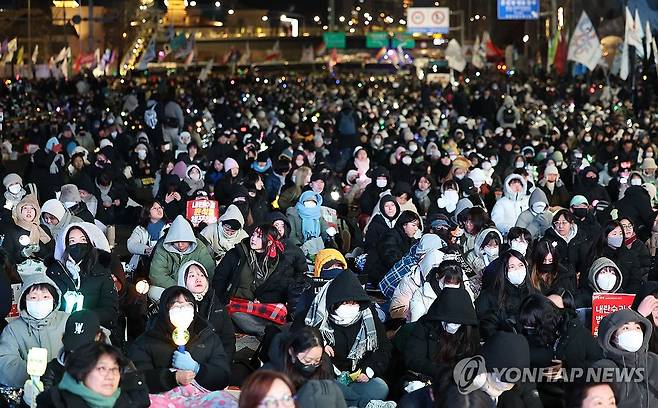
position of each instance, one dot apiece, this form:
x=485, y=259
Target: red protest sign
x=202, y=210
x=604, y=304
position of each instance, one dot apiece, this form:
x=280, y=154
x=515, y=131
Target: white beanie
x=53, y=207
x=230, y=163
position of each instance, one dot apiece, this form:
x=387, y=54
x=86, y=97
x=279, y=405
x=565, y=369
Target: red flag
x=561, y=55
x=492, y=52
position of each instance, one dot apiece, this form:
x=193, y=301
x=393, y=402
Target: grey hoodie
x=599, y=264
x=26, y=332
x=537, y=224
x=631, y=394
x=477, y=258
x=180, y=230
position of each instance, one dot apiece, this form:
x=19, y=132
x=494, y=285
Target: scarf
x=366, y=338
x=92, y=399
x=362, y=166
x=263, y=269
x=629, y=241
x=263, y=169
x=310, y=216
x=37, y=234
x=63, y=223
x=11, y=200
x=154, y=229
x=423, y=198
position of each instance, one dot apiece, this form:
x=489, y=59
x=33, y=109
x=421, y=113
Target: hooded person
x=87, y=192
x=624, y=337
x=71, y=198
x=514, y=201
x=225, y=234
x=40, y=324
x=537, y=218
x=380, y=223
x=381, y=181
x=354, y=338
x=443, y=336
x=307, y=226
x=508, y=115
x=82, y=270
x=329, y=263
x=556, y=193
x=178, y=246
x=486, y=249
x=25, y=238
x=56, y=218
x=14, y=191
x=194, y=179
x=193, y=276
x=604, y=276
x=204, y=360
x=292, y=252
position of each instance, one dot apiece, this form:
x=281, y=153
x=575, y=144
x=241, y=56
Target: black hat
x=81, y=328
x=318, y=175
x=496, y=352
x=467, y=187
x=233, y=224
x=453, y=305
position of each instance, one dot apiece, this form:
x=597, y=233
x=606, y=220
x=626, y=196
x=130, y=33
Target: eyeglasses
x=627, y=226
x=272, y=402
x=104, y=371
x=561, y=223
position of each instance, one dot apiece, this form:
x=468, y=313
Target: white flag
x=245, y=58
x=632, y=35
x=35, y=54
x=655, y=53
x=455, y=56
x=648, y=37
x=205, y=71
x=585, y=46
x=624, y=68
x=478, y=54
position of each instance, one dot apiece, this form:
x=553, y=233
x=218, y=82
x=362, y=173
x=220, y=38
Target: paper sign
x=604, y=304
x=202, y=210
x=37, y=360
x=16, y=292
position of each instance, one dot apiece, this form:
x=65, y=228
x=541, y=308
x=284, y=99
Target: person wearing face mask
x=193, y=179
x=588, y=186
x=557, y=340
x=193, y=276
x=379, y=224
x=486, y=249
x=624, y=337
x=501, y=390
x=204, y=361
x=507, y=210
x=72, y=200
x=308, y=229
x=24, y=238
x=82, y=270
x=557, y=194
x=445, y=335
x=604, y=276
x=648, y=169
x=354, y=338
x=584, y=217
x=225, y=187
x=40, y=324
x=498, y=305
x=381, y=181
x=14, y=193
x=547, y=273
x=537, y=218
x=391, y=247
x=636, y=205
x=226, y=233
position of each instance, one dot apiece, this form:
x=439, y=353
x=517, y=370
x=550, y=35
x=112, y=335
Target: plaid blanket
x=401, y=268
x=274, y=312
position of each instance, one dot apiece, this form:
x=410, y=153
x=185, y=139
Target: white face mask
x=39, y=309
x=406, y=160
x=181, y=317
x=451, y=196
x=636, y=182
x=451, y=327
x=15, y=188
x=606, y=281
x=141, y=154
x=492, y=252
x=310, y=204
x=459, y=176
x=346, y=314
x=195, y=176
x=413, y=147
x=522, y=247
x=538, y=207
x=381, y=183
x=630, y=340
x=516, y=276
x=519, y=165
x=493, y=162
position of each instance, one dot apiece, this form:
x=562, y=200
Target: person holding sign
x=40, y=324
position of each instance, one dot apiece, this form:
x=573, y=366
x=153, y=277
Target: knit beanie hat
x=12, y=178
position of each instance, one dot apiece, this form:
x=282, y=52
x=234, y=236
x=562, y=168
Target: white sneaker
x=381, y=404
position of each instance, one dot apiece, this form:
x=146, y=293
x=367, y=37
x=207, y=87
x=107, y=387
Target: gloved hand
x=184, y=361
x=30, y=391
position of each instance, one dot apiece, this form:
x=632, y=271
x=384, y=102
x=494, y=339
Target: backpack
x=347, y=126
x=509, y=116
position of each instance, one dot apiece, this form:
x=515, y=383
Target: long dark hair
x=451, y=272
x=454, y=347
x=91, y=257
x=298, y=342
x=540, y=320
x=540, y=252
x=499, y=285
x=601, y=246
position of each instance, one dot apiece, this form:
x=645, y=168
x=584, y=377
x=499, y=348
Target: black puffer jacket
x=575, y=252
x=96, y=286
x=292, y=252
x=389, y=249
x=636, y=205
x=453, y=306
x=211, y=309
x=635, y=265
x=371, y=194
x=152, y=351
x=496, y=315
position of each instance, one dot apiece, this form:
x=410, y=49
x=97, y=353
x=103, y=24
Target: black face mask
x=78, y=251
x=589, y=181
x=306, y=370
x=546, y=268
x=580, y=212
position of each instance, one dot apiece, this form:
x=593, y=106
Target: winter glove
x=184, y=361
x=31, y=389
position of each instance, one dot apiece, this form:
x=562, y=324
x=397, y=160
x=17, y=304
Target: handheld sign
x=604, y=304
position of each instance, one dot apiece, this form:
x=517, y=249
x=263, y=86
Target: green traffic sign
x=334, y=40
x=377, y=39
x=404, y=40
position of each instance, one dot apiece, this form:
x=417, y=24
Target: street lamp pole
x=29, y=27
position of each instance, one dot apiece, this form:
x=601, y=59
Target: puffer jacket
x=139, y=240
x=167, y=259
x=214, y=233
x=477, y=258
x=537, y=224
x=572, y=252
x=630, y=394
x=508, y=209
x=584, y=296
x=495, y=315
x=392, y=247
x=152, y=352
x=25, y=332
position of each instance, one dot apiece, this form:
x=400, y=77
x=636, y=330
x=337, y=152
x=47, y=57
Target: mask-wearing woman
x=472, y=221
x=24, y=238
x=307, y=226
x=499, y=304
x=445, y=335
x=82, y=271
x=194, y=179
x=173, y=373
x=485, y=251
x=547, y=274
x=97, y=375
x=193, y=276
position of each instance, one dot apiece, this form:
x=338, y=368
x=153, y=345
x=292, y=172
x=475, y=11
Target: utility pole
x=331, y=9
x=29, y=27
x=91, y=25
